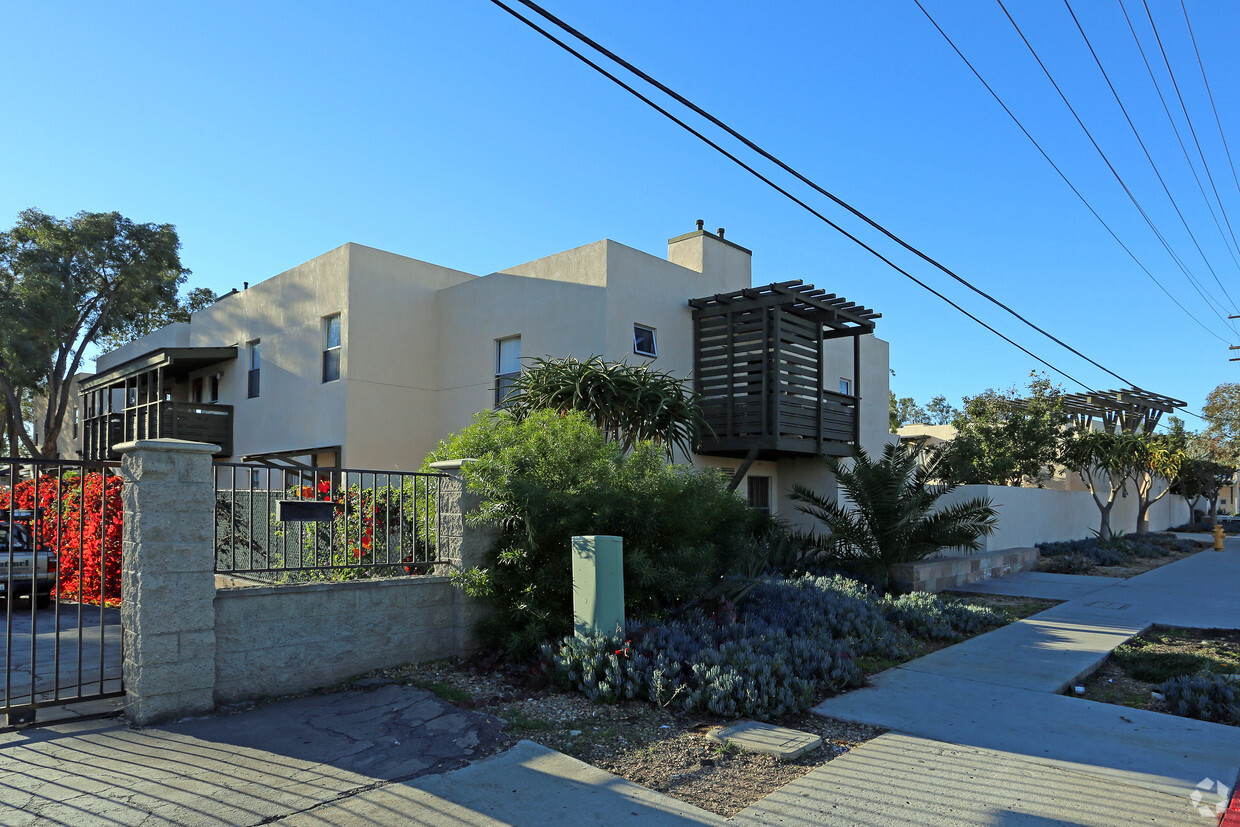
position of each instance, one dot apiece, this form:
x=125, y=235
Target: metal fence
x=60, y=548
x=322, y=524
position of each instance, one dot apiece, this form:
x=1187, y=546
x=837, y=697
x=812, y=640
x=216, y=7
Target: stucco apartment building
x=365, y=359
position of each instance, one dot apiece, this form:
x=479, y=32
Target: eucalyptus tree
x=628, y=403
x=63, y=284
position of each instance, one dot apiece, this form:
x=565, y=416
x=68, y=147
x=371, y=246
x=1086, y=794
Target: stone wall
x=277, y=640
x=939, y=573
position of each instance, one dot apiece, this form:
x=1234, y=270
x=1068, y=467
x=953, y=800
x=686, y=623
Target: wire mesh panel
x=60, y=586
x=323, y=524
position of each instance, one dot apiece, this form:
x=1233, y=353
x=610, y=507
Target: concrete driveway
x=82, y=658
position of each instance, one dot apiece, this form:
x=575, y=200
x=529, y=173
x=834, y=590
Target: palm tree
x=890, y=516
x=628, y=403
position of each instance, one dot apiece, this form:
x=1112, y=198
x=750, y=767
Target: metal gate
x=60, y=558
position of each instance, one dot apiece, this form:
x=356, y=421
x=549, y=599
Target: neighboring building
x=366, y=359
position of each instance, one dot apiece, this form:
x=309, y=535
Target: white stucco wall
x=1028, y=516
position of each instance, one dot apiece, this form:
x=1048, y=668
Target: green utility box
x=598, y=585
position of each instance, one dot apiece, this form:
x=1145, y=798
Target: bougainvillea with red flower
x=80, y=518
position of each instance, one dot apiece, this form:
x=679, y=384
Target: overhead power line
x=1119, y=178
x=1148, y=157
x=787, y=168
x=1187, y=118
x=782, y=191
x=1180, y=138
x=1063, y=175
x=1210, y=94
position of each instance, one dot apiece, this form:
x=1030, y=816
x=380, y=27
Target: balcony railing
x=198, y=422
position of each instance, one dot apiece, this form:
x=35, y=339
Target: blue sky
x=269, y=133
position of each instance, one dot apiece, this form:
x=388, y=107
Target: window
x=507, y=366
x=845, y=386
x=331, y=348
x=215, y=388
x=195, y=391
x=760, y=494
x=643, y=341
x=255, y=362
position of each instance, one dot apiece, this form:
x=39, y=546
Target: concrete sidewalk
x=995, y=692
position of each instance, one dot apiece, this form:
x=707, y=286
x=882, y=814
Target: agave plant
x=890, y=514
x=629, y=403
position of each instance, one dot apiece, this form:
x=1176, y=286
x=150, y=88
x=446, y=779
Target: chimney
x=729, y=265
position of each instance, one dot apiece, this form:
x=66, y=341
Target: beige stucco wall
x=418, y=355
x=582, y=302
x=391, y=354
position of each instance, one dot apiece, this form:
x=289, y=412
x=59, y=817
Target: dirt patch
x=1136, y=668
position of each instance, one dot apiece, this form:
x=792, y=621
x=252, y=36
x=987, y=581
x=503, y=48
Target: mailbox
x=305, y=511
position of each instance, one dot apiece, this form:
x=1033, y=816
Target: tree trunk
x=1104, y=528
x=1143, y=517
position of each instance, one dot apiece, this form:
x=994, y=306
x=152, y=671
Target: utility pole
x=1234, y=347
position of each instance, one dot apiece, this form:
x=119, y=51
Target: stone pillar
x=460, y=547
x=168, y=579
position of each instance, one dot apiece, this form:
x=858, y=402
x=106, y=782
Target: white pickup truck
x=33, y=570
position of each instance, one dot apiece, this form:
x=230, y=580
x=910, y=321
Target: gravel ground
x=661, y=749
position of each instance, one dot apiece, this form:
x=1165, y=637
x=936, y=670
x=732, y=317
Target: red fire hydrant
x=1218, y=536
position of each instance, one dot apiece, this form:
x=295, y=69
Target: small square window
x=643, y=341
x=846, y=386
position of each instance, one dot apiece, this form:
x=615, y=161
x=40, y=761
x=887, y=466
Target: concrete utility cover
x=785, y=744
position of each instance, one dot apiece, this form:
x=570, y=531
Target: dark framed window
x=760, y=494
x=255, y=364
x=215, y=388
x=845, y=386
x=331, y=347
x=644, y=343
x=507, y=366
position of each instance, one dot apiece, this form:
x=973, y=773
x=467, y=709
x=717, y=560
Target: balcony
x=167, y=420
x=759, y=371
x=145, y=398
x=198, y=423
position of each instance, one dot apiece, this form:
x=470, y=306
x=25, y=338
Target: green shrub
x=551, y=476
x=1156, y=667
x=885, y=513
x=928, y=616
x=1069, y=563
x=791, y=640
x=1206, y=696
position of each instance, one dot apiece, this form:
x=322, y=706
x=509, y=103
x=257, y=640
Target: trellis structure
x=1128, y=411
x=758, y=365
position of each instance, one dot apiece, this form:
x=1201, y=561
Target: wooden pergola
x=1128, y=411
x=758, y=365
